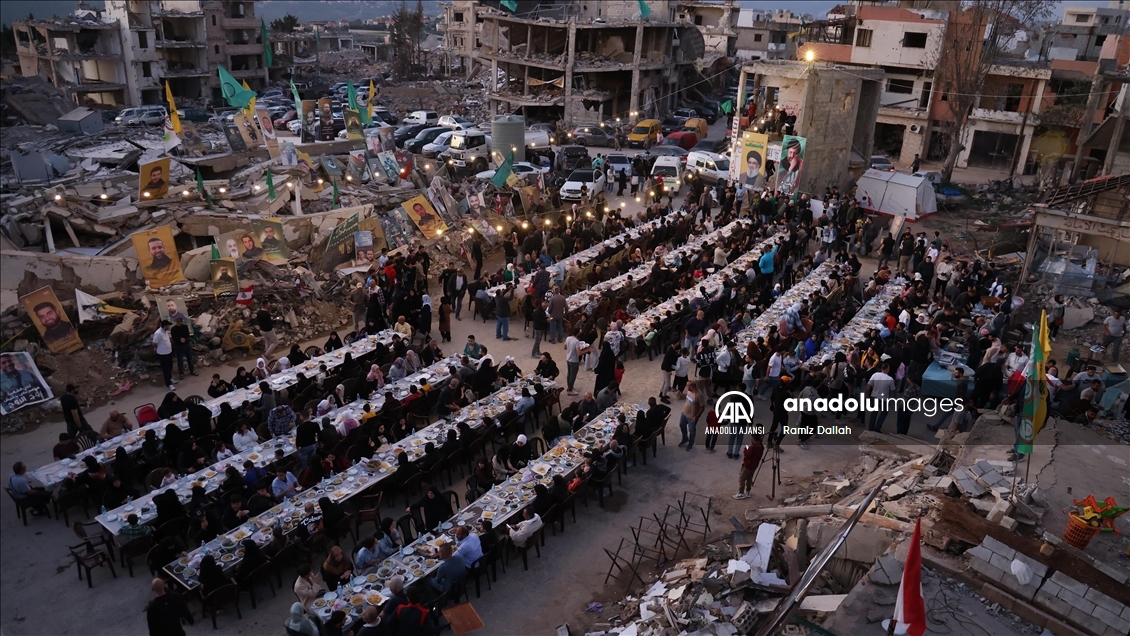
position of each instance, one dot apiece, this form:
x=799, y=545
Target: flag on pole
x=369, y=106
x=215, y=250
x=250, y=110
x=910, y=607
x=297, y=100
x=268, y=58
x=244, y=295
x=270, y=185
x=93, y=307
x=234, y=94
x=174, y=117
x=171, y=138
x=336, y=195
x=645, y=11
x=200, y=187
x=510, y=4
x=317, y=37
x=1033, y=414
x=503, y=172
x=352, y=94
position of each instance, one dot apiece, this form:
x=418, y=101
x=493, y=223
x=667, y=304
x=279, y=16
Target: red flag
x=910, y=608
x=244, y=295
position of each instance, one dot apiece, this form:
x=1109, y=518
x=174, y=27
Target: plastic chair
x=22, y=506
x=257, y=577
x=63, y=503
x=145, y=414
x=98, y=539
x=219, y=597
x=135, y=548
x=407, y=526
x=88, y=559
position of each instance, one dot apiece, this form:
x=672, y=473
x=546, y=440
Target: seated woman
x=333, y=342
x=434, y=506
x=242, y=379
x=171, y=405
x=389, y=540
x=336, y=569
x=296, y=357
x=252, y=558
x=211, y=575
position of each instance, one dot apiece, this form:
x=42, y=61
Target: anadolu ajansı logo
x=735, y=414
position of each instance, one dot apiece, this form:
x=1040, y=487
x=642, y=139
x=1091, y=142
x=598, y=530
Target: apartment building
x=1083, y=31
x=716, y=21
x=765, y=35
x=570, y=60
x=123, y=56
x=81, y=55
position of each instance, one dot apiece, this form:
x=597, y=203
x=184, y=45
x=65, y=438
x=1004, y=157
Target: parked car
x=592, y=136
x=684, y=113
x=271, y=93
x=548, y=129
x=520, y=168
x=294, y=126
x=220, y=115
x=644, y=134
x=710, y=167
x=456, y=122
x=671, y=169
x=671, y=124
x=424, y=137
x=571, y=190
x=286, y=118
x=684, y=139
x=192, y=114
x=573, y=157
x=438, y=145
x=429, y=117
x=384, y=114
x=881, y=162
x=698, y=126
x=619, y=163
x=702, y=110
x=144, y=115
x=279, y=111
x=712, y=145
x=404, y=133
x=670, y=151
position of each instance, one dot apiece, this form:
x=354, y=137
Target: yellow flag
x=372, y=98
x=250, y=110
x=173, y=116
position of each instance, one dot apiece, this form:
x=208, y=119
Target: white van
x=711, y=167
x=671, y=169
x=416, y=117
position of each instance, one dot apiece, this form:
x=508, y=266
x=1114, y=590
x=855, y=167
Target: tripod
x=774, y=459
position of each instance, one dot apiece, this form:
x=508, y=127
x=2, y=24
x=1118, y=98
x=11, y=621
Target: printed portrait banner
x=241, y=245
x=397, y=228
x=157, y=254
x=751, y=168
x=373, y=226
x=388, y=139
x=225, y=278
x=289, y=153
x=171, y=307
x=358, y=166
x=153, y=179
x=390, y=166
x=267, y=129
x=21, y=384
x=269, y=234
x=420, y=210
x=248, y=131
x=309, y=119
x=339, y=247
x=191, y=139
x=326, y=119
x=235, y=137
x=486, y=230
x=363, y=247
x=353, y=124
x=791, y=165
x=54, y=326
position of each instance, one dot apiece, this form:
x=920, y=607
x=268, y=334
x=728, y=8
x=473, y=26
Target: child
x=682, y=370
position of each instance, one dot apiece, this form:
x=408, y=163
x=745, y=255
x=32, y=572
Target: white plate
x=128, y=508
x=111, y=517
x=329, y=596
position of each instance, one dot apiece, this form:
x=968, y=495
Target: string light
x=145, y=194
x=321, y=181
x=498, y=227
x=223, y=190
x=185, y=192
x=102, y=196
x=58, y=197
x=255, y=187
x=349, y=177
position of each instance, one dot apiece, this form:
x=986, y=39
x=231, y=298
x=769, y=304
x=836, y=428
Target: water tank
x=508, y=134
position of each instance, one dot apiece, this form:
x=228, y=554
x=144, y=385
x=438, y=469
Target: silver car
x=591, y=136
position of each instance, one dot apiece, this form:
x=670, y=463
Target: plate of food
x=321, y=602
x=228, y=558
x=372, y=578
x=357, y=601
x=374, y=599
x=190, y=572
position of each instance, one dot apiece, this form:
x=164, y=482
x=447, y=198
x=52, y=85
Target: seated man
x=449, y=572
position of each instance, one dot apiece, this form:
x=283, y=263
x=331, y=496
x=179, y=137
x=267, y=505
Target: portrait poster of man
x=235, y=137
x=289, y=153
x=391, y=167
x=224, y=276
x=310, y=125
x=339, y=247
x=153, y=179
x=791, y=165
x=21, y=384
x=190, y=137
x=157, y=254
x=388, y=139
x=249, y=246
x=372, y=141
x=326, y=119
x=359, y=166
x=269, y=232
x=249, y=131
x=353, y=124
x=751, y=170
x=267, y=128
x=172, y=307
x=373, y=225
x=486, y=230
x=54, y=326
x=393, y=223
x=363, y=247
x=420, y=210
x=229, y=245
x=530, y=199
x=332, y=167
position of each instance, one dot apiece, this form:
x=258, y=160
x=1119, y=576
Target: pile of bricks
x=1059, y=595
x=986, y=477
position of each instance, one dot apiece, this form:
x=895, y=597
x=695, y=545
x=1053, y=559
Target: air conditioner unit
x=915, y=128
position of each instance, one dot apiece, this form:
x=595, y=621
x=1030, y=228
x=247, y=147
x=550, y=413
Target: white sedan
x=294, y=126
x=572, y=189
x=521, y=168
x=441, y=143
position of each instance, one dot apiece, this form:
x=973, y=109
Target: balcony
x=248, y=73
x=180, y=70
x=245, y=49
x=240, y=23
x=904, y=112
x=167, y=43
x=1002, y=116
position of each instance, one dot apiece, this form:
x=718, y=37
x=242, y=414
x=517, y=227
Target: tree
x=406, y=34
x=976, y=36
x=285, y=24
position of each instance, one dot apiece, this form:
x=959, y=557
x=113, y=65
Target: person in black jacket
x=668, y=367
x=199, y=420
x=434, y=506
x=164, y=614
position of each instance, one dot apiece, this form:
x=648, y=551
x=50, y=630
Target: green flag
x=352, y=95
x=201, y=188
x=510, y=4
x=297, y=100
x=317, y=36
x=267, y=57
x=234, y=93
x=215, y=251
x=503, y=172
x=270, y=185
x=336, y=194
x=727, y=106
x=645, y=11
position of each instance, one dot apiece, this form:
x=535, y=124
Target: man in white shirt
x=1114, y=330
x=521, y=532
x=880, y=387
x=773, y=373
x=1016, y=360
x=164, y=346
x=1084, y=378
x=574, y=349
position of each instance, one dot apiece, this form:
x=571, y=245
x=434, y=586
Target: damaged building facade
x=124, y=55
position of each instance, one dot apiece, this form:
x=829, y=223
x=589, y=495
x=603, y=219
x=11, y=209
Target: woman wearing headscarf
x=260, y=372
x=212, y=575
x=412, y=362
x=484, y=378
x=328, y=436
x=434, y=506
x=174, y=441
x=404, y=469
x=374, y=380
x=266, y=397
x=151, y=447
x=349, y=368
x=424, y=322
x=543, y=501
x=397, y=371
x=332, y=514
x=301, y=383
x=299, y=623
x=252, y=559
x=323, y=408
x=605, y=368
x=192, y=457
x=429, y=459
x=227, y=417
x=333, y=342
x=199, y=420
x=337, y=398
x=171, y=405
x=284, y=365
x=296, y=357
x=450, y=444
x=242, y=379
x=116, y=494
x=389, y=540
x=633, y=311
